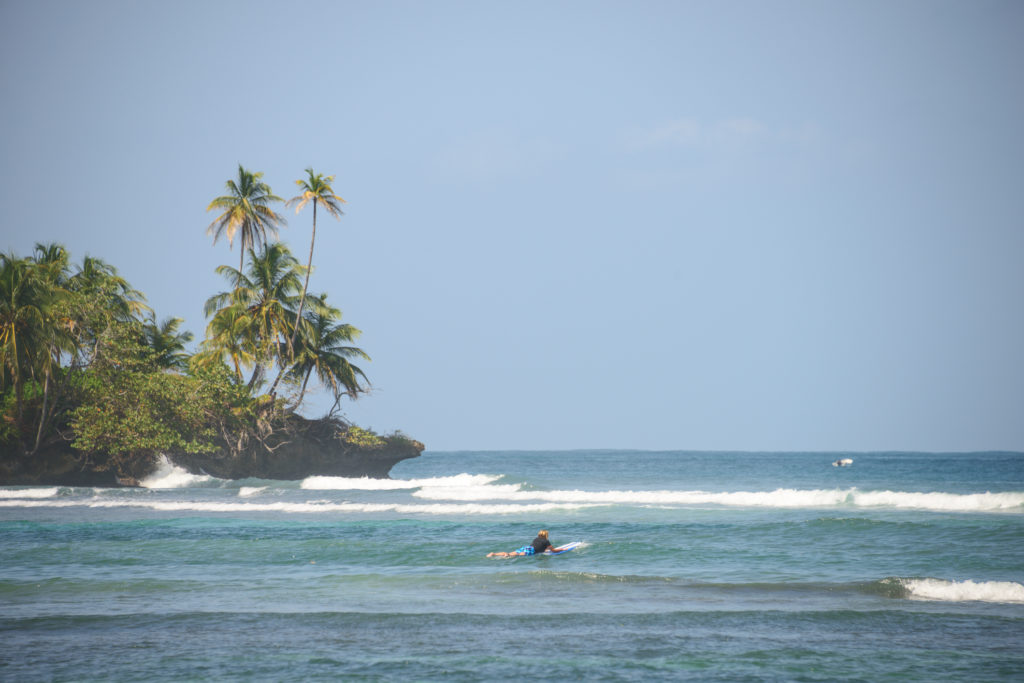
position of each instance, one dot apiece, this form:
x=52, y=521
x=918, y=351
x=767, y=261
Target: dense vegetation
x=85, y=363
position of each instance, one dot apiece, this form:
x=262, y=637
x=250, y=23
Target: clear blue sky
x=665, y=225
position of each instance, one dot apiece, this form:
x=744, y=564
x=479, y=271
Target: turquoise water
x=703, y=566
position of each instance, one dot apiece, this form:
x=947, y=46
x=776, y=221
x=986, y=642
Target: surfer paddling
x=539, y=545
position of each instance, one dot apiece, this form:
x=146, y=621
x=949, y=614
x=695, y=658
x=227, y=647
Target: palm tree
x=315, y=188
x=54, y=259
x=260, y=309
x=246, y=212
x=24, y=311
x=166, y=342
x=323, y=350
x=99, y=280
x=56, y=336
x=227, y=334
x=105, y=298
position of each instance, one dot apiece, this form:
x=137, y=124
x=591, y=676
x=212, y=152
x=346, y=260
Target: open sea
x=695, y=566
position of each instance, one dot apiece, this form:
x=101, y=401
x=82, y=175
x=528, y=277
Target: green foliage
x=80, y=349
x=57, y=327
x=9, y=432
x=131, y=406
x=257, y=325
x=398, y=437
x=364, y=438
x=251, y=323
x=167, y=343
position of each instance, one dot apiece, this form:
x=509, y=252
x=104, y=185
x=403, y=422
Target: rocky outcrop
x=307, y=448
x=297, y=449
x=56, y=464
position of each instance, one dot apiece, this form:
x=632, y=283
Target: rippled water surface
x=727, y=566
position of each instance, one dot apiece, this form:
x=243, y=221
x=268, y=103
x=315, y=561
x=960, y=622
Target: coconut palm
x=246, y=213
x=323, y=350
x=104, y=299
x=25, y=304
x=54, y=259
x=315, y=188
x=99, y=281
x=166, y=342
x=227, y=336
x=259, y=311
x=56, y=335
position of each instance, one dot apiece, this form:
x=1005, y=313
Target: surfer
x=539, y=545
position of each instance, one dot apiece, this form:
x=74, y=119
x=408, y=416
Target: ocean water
x=695, y=566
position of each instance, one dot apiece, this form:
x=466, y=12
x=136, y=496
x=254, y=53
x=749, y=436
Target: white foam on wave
x=964, y=591
x=28, y=493
x=170, y=476
x=366, y=484
x=484, y=492
x=779, y=498
x=304, y=507
x=246, y=491
x=954, y=502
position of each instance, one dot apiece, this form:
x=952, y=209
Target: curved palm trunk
x=305, y=285
x=18, y=391
x=42, y=414
x=302, y=393
x=257, y=376
x=302, y=301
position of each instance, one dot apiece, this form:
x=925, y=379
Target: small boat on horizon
x=843, y=462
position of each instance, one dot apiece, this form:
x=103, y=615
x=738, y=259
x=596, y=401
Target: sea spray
x=169, y=476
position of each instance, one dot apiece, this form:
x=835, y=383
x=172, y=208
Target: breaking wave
x=458, y=481
x=298, y=507
x=1012, y=501
x=486, y=493
x=170, y=476
x=28, y=493
x=960, y=591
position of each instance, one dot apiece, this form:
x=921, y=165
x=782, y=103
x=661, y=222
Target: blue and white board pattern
x=563, y=548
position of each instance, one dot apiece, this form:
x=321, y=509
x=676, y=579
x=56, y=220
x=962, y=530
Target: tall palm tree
x=56, y=336
x=245, y=212
x=24, y=311
x=315, y=188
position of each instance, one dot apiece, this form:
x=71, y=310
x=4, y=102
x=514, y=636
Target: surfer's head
x=543, y=533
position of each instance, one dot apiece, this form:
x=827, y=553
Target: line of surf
x=1010, y=501
x=28, y=493
x=458, y=481
x=170, y=476
x=297, y=507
